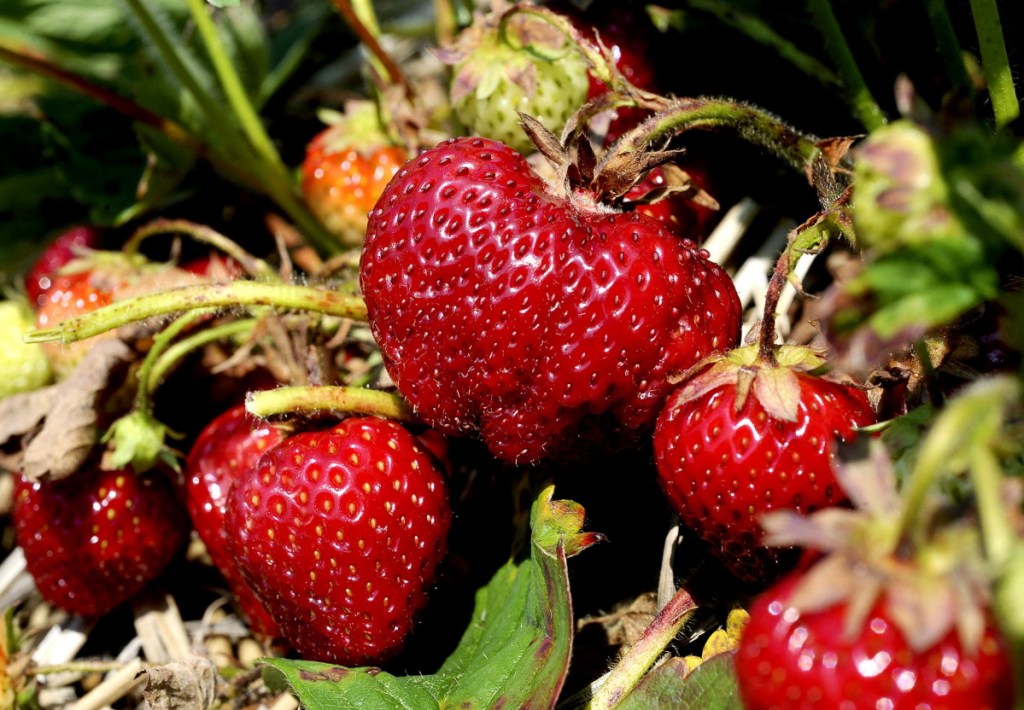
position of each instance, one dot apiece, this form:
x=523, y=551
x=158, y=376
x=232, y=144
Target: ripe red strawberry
x=687, y=213
x=94, y=539
x=227, y=447
x=56, y=254
x=796, y=660
x=340, y=533
x=514, y=62
x=504, y=308
x=743, y=437
x=346, y=168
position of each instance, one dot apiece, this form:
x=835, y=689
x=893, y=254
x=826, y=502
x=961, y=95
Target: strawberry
x=346, y=168
x=682, y=204
x=94, y=539
x=227, y=447
x=744, y=436
x=793, y=660
x=60, y=251
x=503, y=308
x=91, y=283
x=23, y=366
x=339, y=533
x=514, y=62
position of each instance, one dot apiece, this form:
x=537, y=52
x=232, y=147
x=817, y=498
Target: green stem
x=994, y=61
x=949, y=46
x=319, y=399
x=752, y=124
x=212, y=109
x=174, y=354
x=204, y=296
x=863, y=103
x=161, y=342
x=762, y=33
x=631, y=669
x=996, y=528
x=231, y=83
x=361, y=19
x=206, y=235
x=969, y=421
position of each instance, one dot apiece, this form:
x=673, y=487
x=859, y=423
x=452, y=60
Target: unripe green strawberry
x=23, y=366
x=515, y=62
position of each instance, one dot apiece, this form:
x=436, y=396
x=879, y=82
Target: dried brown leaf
x=183, y=685
x=71, y=427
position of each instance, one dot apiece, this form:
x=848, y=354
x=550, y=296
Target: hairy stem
x=161, y=342
x=631, y=669
x=863, y=103
x=318, y=399
x=205, y=296
x=752, y=124
x=949, y=45
x=176, y=352
x=206, y=235
x=994, y=61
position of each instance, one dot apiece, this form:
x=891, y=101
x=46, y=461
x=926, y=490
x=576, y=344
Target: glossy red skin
x=56, y=254
x=73, y=295
x=96, y=538
x=680, y=214
x=229, y=445
x=722, y=469
x=215, y=267
x=501, y=308
x=340, y=533
x=792, y=661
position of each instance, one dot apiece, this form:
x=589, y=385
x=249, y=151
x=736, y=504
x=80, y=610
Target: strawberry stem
x=994, y=61
x=860, y=98
x=205, y=296
x=949, y=46
x=969, y=423
x=630, y=670
x=170, y=357
x=766, y=335
x=237, y=96
x=321, y=398
x=161, y=342
x=754, y=125
x=253, y=266
x=361, y=19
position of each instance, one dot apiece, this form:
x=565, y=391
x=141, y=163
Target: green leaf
x=710, y=686
x=515, y=652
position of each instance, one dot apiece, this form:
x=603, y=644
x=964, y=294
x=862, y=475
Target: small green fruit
x=23, y=366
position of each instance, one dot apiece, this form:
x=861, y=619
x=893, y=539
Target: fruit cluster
x=507, y=271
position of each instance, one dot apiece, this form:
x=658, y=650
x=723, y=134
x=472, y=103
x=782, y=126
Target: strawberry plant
x=759, y=330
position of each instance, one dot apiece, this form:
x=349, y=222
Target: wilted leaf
x=182, y=685
x=70, y=429
x=514, y=654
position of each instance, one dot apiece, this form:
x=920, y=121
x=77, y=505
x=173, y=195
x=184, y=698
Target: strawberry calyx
x=773, y=384
x=927, y=588
x=358, y=127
